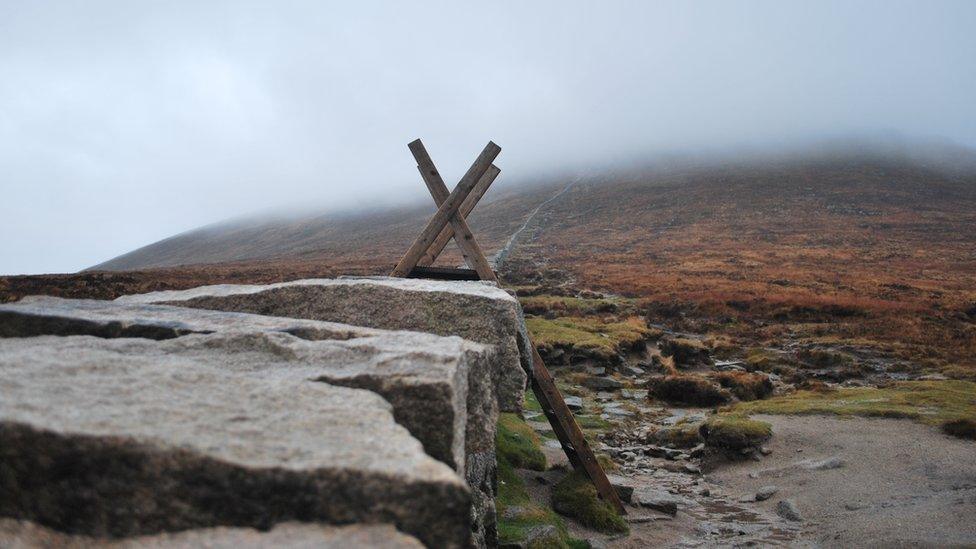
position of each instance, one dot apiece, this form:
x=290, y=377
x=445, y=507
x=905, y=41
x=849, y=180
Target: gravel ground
x=865, y=482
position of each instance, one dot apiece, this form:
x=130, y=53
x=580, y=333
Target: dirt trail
x=498, y=259
x=880, y=482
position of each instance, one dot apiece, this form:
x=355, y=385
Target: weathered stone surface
x=123, y=437
x=477, y=311
x=17, y=534
x=420, y=374
x=424, y=376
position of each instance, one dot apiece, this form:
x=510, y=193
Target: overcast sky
x=125, y=122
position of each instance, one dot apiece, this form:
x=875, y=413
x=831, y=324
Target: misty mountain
x=849, y=180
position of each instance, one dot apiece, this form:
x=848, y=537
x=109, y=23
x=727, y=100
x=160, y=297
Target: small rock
x=661, y=451
x=766, y=492
x=657, y=500
x=705, y=492
x=823, y=465
x=753, y=475
x=765, y=450
x=602, y=383
x=512, y=513
x=787, y=509
x=541, y=535
x=634, y=370
x=933, y=377
x=622, y=485
x=748, y=498
x=554, y=444
x=596, y=543
x=697, y=451
x=596, y=370
x=604, y=396
x=693, y=469
x=628, y=393
x=574, y=403
x=854, y=506
x=617, y=411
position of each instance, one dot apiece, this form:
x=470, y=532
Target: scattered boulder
x=623, y=486
x=602, y=383
x=574, y=403
x=658, y=500
x=690, y=390
x=788, y=510
x=832, y=462
x=766, y=492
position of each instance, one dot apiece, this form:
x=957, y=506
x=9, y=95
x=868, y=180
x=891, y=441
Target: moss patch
x=575, y=496
x=517, y=513
x=601, y=338
x=518, y=445
x=735, y=432
x=572, y=306
x=931, y=402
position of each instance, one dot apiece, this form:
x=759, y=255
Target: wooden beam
x=443, y=273
x=553, y=406
x=462, y=233
x=568, y=431
x=467, y=206
x=446, y=210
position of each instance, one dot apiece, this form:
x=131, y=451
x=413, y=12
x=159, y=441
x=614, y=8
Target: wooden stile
x=448, y=222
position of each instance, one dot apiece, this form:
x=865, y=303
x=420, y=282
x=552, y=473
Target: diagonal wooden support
x=447, y=209
x=543, y=386
x=462, y=233
x=467, y=206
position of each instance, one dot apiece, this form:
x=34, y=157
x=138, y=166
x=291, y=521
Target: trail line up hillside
x=498, y=259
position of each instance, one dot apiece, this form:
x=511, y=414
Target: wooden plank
x=462, y=233
x=467, y=206
x=560, y=417
x=568, y=431
x=443, y=273
x=446, y=210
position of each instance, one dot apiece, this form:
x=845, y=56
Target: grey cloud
x=125, y=122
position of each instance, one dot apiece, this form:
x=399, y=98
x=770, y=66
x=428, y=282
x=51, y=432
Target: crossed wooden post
x=450, y=222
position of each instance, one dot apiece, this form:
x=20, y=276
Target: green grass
x=931, y=402
x=531, y=403
x=516, y=445
x=575, y=496
x=575, y=306
x=602, y=338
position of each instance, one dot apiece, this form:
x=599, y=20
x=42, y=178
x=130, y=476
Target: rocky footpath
x=128, y=421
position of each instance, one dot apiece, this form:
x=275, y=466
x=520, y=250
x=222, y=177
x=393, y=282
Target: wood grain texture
x=472, y=253
x=467, y=206
x=447, y=209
